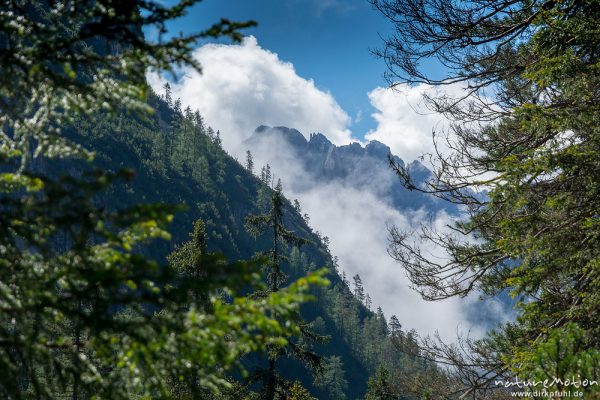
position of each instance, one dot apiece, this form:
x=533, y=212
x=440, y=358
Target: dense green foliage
x=62, y=59
x=271, y=222
x=380, y=387
x=527, y=132
x=83, y=313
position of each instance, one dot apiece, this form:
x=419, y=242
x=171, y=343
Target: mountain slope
x=178, y=160
x=352, y=187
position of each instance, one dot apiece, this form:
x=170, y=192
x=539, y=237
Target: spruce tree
x=187, y=259
x=382, y=323
x=249, y=162
x=297, y=206
x=368, y=302
x=395, y=326
x=272, y=223
x=380, y=387
x=168, y=95
x=359, y=291
x=218, y=141
x=333, y=378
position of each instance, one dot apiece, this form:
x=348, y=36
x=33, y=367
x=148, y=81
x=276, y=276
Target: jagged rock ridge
x=353, y=165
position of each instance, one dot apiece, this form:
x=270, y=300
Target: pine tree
x=382, y=323
x=368, y=302
x=202, y=271
x=306, y=218
x=187, y=113
x=266, y=176
x=199, y=122
x=249, y=162
x=272, y=223
x=168, y=96
x=264, y=190
x=217, y=139
x=297, y=206
x=177, y=107
x=210, y=132
x=359, y=291
x=187, y=259
x=333, y=378
x=395, y=326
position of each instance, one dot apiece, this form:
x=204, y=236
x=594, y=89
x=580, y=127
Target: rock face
x=317, y=161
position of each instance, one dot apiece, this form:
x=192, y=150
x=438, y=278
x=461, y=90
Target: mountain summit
x=318, y=160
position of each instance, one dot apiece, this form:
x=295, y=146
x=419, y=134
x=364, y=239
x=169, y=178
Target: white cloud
x=244, y=86
x=355, y=221
x=404, y=122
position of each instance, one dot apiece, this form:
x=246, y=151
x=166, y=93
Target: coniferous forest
x=140, y=260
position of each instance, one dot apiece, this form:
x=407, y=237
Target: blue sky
x=329, y=41
x=307, y=65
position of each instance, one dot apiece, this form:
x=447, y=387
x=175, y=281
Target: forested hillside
x=178, y=160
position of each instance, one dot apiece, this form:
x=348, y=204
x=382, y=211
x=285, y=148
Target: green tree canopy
x=525, y=130
x=380, y=387
x=66, y=59
x=83, y=313
x=272, y=223
x=333, y=378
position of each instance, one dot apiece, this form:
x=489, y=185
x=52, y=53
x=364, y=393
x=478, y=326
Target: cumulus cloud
x=404, y=122
x=244, y=86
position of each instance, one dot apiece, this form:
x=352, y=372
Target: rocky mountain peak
x=319, y=142
x=352, y=165
x=377, y=149
x=289, y=135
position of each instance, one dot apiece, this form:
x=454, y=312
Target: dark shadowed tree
x=359, y=290
x=272, y=223
x=333, y=378
x=249, y=162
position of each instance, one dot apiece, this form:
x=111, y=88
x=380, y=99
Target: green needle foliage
x=80, y=306
x=83, y=313
x=525, y=130
x=380, y=387
x=333, y=378
x=272, y=223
